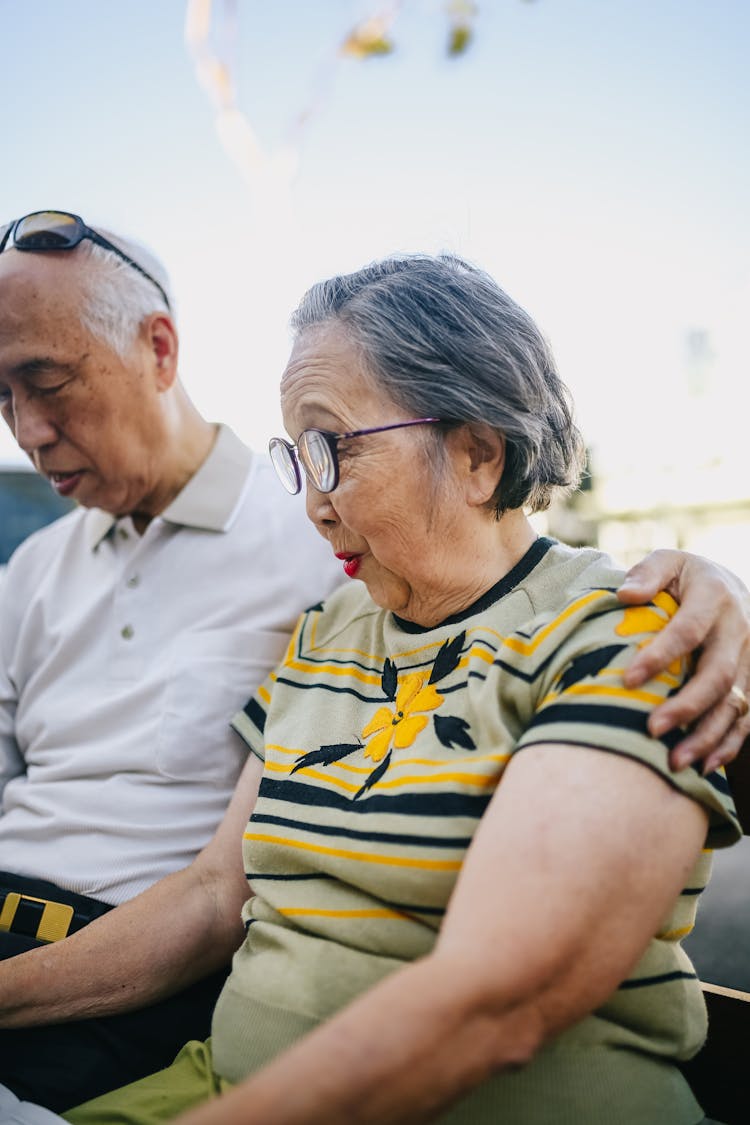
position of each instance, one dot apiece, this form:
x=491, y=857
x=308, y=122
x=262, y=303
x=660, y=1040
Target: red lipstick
x=351, y=562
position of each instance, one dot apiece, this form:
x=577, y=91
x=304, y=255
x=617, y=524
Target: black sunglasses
x=60, y=230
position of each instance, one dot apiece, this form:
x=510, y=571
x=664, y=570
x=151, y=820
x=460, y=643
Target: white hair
x=115, y=296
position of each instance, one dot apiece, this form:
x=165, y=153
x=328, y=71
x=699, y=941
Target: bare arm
x=179, y=930
x=714, y=617
x=415, y=1043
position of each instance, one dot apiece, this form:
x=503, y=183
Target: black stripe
x=692, y=890
x=719, y=783
x=253, y=876
x=380, y=837
x=601, y=714
x=411, y=908
x=521, y=570
x=255, y=713
x=408, y=804
x=647, y=982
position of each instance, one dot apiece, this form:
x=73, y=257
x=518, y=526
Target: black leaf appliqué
x=588, y=664
x=375, y=776
x=447, y=658
x=326, y=755
x=453, y=731
x=389, y=680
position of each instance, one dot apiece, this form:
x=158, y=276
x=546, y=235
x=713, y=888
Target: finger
x=698, y=697
x=656, y=572
x=683, y=634
x=716, y=740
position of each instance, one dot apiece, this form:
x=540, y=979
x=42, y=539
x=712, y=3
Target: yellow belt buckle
x=55, y=920
x=8, y=912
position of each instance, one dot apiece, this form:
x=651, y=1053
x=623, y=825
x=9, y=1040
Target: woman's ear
x=478, y=452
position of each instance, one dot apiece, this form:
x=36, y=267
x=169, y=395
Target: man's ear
x=161, y=339
x=479, y=456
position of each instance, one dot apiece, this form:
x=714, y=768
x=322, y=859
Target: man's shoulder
x=49, y=538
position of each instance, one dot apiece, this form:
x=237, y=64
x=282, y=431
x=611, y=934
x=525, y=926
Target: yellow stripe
x=264, y=694
x=480, y=780
x=332, y=670
x=675, y=935
x=293, y=911
x=436, y=778
x=526, y=648
x=600, y=689
x=432, y=762
x=361, y=857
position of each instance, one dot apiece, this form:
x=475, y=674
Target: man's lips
x=351, y=562
x=64, y=483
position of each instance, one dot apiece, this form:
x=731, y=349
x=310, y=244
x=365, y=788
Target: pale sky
x=591, y=154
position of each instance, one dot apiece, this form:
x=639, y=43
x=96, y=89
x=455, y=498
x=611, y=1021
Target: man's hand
x=713, y=620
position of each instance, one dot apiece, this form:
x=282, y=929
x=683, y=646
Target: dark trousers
x=62, y=1065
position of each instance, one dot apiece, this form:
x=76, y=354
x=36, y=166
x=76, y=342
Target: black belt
x=42, y=910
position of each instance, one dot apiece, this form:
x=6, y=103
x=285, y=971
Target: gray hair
x=116, y=297
x=444, y=341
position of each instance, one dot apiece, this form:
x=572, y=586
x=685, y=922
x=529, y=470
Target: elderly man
x=130, y=630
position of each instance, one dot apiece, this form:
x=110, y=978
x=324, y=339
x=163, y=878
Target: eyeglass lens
x=282, y=459
x=318, y=459
x=47, y=230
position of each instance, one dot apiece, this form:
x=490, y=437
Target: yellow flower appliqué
x=400, y=726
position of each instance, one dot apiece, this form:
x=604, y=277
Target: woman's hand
x=714, y=619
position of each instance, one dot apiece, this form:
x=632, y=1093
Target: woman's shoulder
x=565, y=573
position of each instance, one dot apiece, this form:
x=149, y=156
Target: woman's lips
x=351, y=562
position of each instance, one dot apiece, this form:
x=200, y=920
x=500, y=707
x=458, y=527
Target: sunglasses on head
x=60, y=230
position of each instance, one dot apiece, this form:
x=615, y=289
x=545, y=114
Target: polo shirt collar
x=208, y=501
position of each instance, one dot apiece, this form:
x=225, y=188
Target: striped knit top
x=383, y=743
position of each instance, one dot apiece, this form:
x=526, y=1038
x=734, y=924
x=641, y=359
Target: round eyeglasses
x=317, y=454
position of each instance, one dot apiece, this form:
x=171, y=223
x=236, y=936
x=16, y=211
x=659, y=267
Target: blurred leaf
x=367, y=40
x=459, y=39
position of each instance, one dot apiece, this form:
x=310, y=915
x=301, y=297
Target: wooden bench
x=720, y=1073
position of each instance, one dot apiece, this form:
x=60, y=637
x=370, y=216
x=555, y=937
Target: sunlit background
x=591, y=154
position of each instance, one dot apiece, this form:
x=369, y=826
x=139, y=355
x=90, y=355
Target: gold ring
x=738, y=699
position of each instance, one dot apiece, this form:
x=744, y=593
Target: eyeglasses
x=316, y=452
x=60, y=230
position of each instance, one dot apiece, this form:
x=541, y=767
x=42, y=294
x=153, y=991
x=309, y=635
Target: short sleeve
x=581, y=698
x=250, y=722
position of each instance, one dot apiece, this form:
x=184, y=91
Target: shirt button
x=134, y=580
x=127, y=632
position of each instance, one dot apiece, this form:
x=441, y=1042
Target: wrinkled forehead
x=326, y=371
x=40, y=301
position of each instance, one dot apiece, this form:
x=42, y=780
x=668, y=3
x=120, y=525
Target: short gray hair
x=116, y=297
x=444, y=341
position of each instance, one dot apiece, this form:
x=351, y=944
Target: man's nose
x=31, y=425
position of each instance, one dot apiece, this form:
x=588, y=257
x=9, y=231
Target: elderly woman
x=471, y=862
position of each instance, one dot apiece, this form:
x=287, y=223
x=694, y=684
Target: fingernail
x=658, y=726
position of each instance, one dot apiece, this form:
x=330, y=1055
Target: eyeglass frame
x=83, y=231
x=331, y=440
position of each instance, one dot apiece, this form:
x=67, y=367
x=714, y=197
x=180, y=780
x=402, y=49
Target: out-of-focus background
x=592, y=156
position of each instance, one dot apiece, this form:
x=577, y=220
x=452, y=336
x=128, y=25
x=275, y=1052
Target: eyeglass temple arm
x=103, y=242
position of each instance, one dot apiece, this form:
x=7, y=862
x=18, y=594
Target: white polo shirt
x=123, y=658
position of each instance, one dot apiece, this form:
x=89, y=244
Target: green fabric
x=189, y=1081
